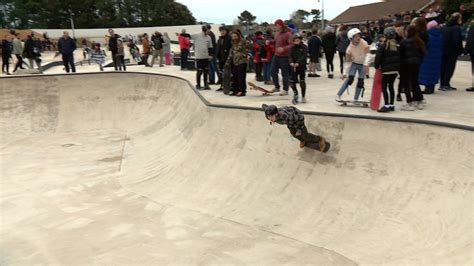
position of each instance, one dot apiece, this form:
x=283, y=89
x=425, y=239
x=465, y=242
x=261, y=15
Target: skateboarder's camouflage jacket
x=290, y=116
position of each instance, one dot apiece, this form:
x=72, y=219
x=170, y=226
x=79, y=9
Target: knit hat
x=279, y=22
x=432, y=24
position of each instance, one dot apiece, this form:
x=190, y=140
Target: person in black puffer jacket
x=32, y=52
x=329, y=48
x=222, y=52
x=388, y=60
x=451, y=50
x=412, y=50
x=298, y=58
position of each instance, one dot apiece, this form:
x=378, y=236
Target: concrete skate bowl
x=129, y=168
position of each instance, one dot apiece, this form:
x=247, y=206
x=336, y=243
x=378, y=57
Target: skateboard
x=258, y=88
x=315, y=146
x=354, y=103
x=376, y=91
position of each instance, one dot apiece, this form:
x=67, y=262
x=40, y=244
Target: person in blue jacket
x=431, y=66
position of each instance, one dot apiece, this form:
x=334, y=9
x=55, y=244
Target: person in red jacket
x=184, y=44
x=283, y=43
x=258, y=54
x=268, y=57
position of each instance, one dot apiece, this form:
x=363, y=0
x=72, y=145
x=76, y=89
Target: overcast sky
x=226, y=11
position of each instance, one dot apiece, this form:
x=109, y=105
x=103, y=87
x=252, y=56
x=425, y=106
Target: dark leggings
x=387, y=86
x=301, y=74
x=258, y=70
x=342, y=57
x=5, y=63
x=329, y=61
x=409, y=79
x=19, y=63
x=239, y=73
x=120, y=62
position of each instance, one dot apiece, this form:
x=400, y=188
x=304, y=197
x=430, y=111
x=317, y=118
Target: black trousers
x=258, y=70
x=120, y=62
x=202, y=66
x=329, y=61
x=298, y=76
x=19, y=63
x=448, y=65
x=115, y=59
x=342, y=57
x=239, y=73
x=387, y=87
x=68, y=61
x=5, y=63
x=409, y=79
x=304, y=136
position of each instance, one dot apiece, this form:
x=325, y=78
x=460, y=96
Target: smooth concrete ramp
x=127, y=168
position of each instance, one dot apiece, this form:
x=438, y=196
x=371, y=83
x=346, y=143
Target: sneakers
x=446, y=88
x=384, y=109
x=198, y=87
x=399, y=98
x=392, y=108
x=331, y=76
x=418, y=105
x=207, y=88
x=295, y=99
x=220, y=89
x=302, y=144
x=408, y=107
x=276, y=90
x=303, y=100
x=283, y=93
x=268, y=82
x=468, y=89
x=338, y=98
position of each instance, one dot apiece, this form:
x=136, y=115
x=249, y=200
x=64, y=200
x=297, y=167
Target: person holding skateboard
x=294, y=119
x=298, y=57
x=357, y=61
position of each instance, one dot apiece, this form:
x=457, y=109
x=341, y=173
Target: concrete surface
x=127, y=168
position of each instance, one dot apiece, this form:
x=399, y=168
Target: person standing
x=146, y=49
x=32, y=52
x=298, y=58
x=452, y=48
x=238, y=60
x=258, y=54
x=431, y=66
x=184, y=44
x=121, y=55
x=157, y=42
x=167, y=48
x=113, y=47
x=224, y=44
x=18, y=52
x=66, y=46
x=212, y=61
x=329, y=48
x=314, y=50
x=268, y=58
x=203, y=52
x=283, y=43
x=470, y=50
x=412, y=50
x=388, y=60
x=7, y=48
x=342, y=42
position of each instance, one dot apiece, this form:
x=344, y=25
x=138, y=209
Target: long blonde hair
x=391, y=44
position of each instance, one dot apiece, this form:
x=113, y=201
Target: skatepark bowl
x=138, y=169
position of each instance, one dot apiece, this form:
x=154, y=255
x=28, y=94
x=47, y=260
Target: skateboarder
x=357, y=61
x=294, y=119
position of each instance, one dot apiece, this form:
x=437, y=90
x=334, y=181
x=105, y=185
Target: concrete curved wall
x=387, y=192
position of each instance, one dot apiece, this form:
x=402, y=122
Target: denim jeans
x=283, y=63
x=355, y=68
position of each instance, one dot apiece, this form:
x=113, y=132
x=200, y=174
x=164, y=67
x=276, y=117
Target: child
x=292, y=117
x=98, y=56
x=258, y=54
x=357, y=60
x=298, y=57
x=134, y=51
x=388, y=59
x=267, y=58
x=120, y=55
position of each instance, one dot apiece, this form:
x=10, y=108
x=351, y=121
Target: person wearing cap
x=203, y=50
x=298, y=58
x=283, y=43
x=357, y=61
x=431, y=66
x=294, y=120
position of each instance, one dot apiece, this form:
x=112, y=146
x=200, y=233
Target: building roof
x=23, y=34
x=375, y=11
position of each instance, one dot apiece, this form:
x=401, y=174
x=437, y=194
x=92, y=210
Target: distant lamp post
x=72, y=23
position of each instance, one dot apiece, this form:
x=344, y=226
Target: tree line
x=56, y=14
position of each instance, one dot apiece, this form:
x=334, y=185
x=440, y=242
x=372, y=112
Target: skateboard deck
x=376, y=90
x=226, y=79
x=258, y=88
x=315, y=146
x=354, y=103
